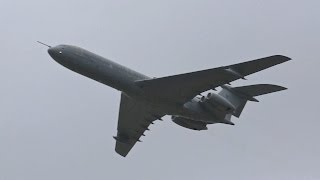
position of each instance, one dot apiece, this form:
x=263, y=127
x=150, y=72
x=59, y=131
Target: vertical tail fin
x=239, y=96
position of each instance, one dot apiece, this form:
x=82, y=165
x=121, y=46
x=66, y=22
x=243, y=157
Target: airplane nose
x=52, y=51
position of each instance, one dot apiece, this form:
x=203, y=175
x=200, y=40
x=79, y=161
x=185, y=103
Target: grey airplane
x=145, y=100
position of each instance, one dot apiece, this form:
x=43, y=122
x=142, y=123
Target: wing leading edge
x=183, y=87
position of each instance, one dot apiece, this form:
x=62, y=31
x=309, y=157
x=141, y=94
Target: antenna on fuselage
x=43, y=44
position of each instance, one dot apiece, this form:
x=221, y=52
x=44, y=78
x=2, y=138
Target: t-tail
x=238, y=96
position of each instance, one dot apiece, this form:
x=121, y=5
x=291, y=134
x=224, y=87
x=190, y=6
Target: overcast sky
x=56, y=124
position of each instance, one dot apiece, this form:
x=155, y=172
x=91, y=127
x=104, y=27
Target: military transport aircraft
x=145, y=99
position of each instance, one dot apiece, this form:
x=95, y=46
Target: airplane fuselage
x=97, y=68
x=123, y=79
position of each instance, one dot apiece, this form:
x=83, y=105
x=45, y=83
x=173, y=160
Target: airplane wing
x=134, y=118
x=183, y=87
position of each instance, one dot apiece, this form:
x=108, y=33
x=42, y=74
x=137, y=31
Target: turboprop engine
x=188, y=123
x=218, y=102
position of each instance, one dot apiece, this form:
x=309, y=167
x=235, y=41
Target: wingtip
x=281, y=88
x=121, y=151
x=282, y=57
x=122, y=154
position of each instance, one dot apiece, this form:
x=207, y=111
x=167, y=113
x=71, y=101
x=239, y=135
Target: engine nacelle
x=188, y=123
x=219, y=102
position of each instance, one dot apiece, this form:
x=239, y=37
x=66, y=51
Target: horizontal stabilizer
x=256, y=90
x=238, y=96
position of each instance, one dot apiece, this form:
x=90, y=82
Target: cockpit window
x=62, y=48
